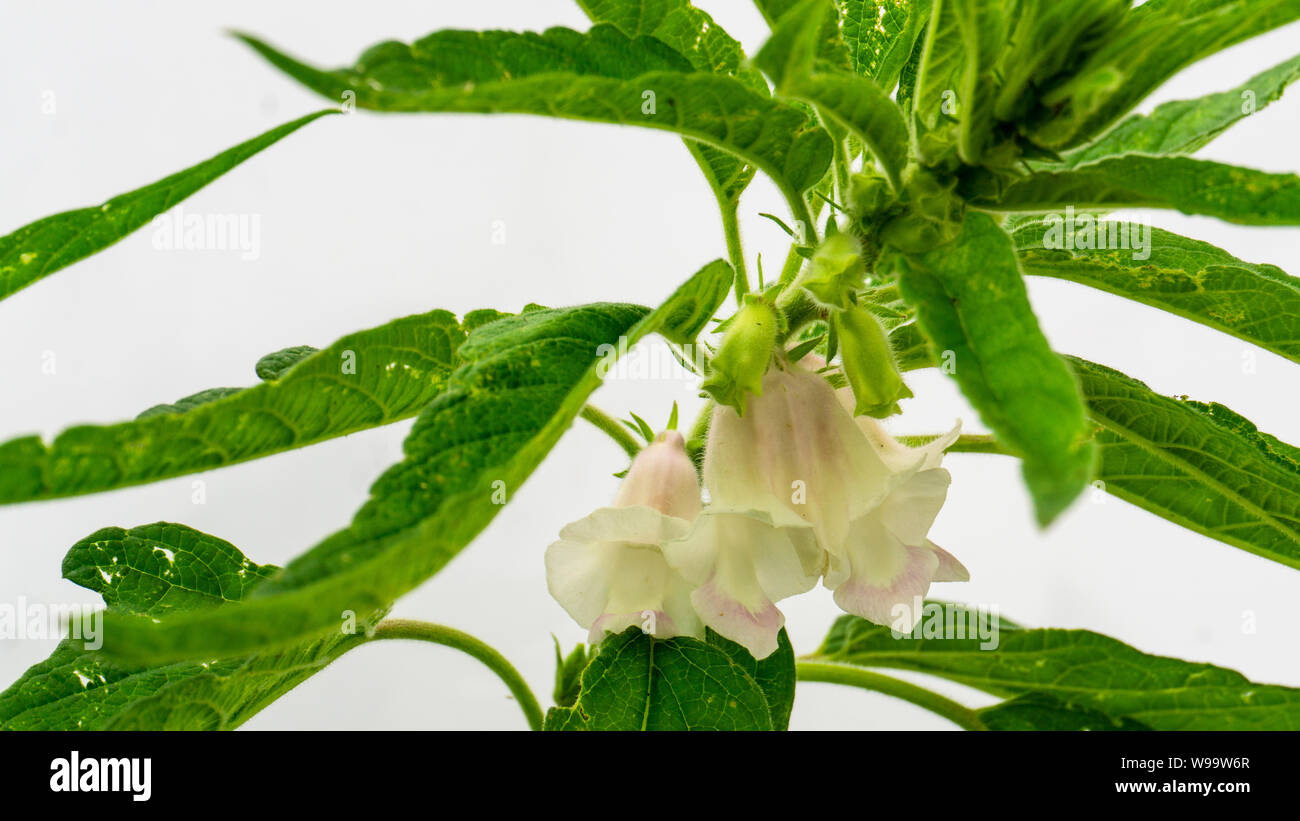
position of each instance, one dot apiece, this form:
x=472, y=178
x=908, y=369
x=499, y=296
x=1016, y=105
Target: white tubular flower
x=741, y=564
x=889, y=562
x=787, y=476
x=797, y=464
x=608, y=570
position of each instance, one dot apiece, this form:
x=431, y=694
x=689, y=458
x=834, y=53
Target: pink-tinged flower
x=798, y=465
x=784, y=480
x=608, y=569
x=888, y=561
x=741, y=564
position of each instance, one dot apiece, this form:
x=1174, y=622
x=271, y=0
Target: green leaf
x=1199, y=465
x=970, y=300
x=774, y=675
x=1152, y=43
x=942, y=62
x=1048, y=39
x=1185, y=126
x=1040, y=711
x=637, y=682
x=274, y=365
x=1238, y=195
x=568, y=672
x=600, y=76
x=365, y=379
x=159, y=570
x=854, y=102
x=881, y=35
x=1193, y=279
x=1080, y=670
x=984, y=29
x=693, y=34
x=523, y=381
x=37, y=250
x=693, y=308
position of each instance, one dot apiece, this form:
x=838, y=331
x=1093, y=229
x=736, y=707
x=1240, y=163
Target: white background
x=368, y=218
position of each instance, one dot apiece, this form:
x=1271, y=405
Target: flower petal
x=608, y=572
x=743, y=564
x=662, y=477
x=950, y=570
x=881, y=578
x=912, y=507
x=757, y=630
x=795, y=451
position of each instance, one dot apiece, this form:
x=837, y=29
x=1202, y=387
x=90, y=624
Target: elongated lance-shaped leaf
x=1193, y=279
x=984, y=29
x=855, y=102
x=881, y=35
x=158, y=571
x=1152, y=43
x=941, y=63
x=692, y=33
x=1076, y=669
x=1196, y=464
x=600, y=76
x=1186, y=126
x=37, y=250
x=522, y=383
x=1046, y=41
x=365, y=379
x=1040, y=711
x=637, y=682
x=971, y=301
x=1239, y=195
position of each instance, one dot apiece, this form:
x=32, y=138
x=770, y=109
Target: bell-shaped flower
x=799, y=461
x=888, y=561
x=784, y=480
x=608, y=569
x=740, y=564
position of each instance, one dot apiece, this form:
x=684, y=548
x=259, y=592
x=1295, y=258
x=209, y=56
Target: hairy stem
x=832, y=673
x=614, y=428
x=695, y=440
x=735, y=251
x=464, y=642
x=966, y=443
x=802, y=216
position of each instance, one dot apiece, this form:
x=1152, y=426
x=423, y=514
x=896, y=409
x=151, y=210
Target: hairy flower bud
x=869, y=363
x=835, y=273
x=746, y=351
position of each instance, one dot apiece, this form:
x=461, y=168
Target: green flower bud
x=869, y=194
x=743, y=357
x=869, y=363
x=836, y=271
x=933, y=216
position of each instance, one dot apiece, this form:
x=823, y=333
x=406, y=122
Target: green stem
x=614, y=428
x=735, y=251
x=450, y=637
x=799, y=310
x=699, y=434
x=967, y=443
x=793, y=262
x=842, y=171
x=832, y=673
x=799, y=210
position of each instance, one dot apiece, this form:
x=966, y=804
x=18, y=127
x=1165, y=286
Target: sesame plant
x=931, y=154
